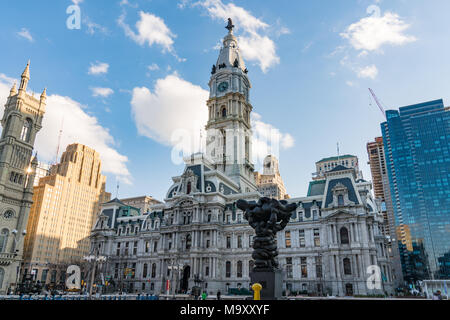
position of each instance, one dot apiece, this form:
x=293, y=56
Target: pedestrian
x=437, y=295
x=218, y=295
x=204, y=295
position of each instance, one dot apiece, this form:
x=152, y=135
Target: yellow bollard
x=257, y=289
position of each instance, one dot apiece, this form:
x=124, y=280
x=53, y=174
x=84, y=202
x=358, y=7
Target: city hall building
x=198, y=237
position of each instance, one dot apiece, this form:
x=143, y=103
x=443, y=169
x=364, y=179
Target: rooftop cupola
x=230, y=56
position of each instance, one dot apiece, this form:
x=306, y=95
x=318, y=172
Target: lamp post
x=16, y=252
x=95, y=259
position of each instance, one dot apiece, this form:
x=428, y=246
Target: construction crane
x=377, y=102
x=59, y=140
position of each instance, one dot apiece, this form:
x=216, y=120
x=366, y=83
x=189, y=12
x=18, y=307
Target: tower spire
x=13, y=90
x=25, y=77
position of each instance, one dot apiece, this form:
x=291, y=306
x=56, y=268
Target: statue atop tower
x=230, y=25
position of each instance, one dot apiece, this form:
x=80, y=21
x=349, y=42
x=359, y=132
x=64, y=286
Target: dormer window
x=189, y=188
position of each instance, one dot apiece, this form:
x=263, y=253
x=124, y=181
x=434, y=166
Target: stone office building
x=198, y=237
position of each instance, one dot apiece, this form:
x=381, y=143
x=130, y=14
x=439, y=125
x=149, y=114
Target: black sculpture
x=236, y=63
x=267, y=217
x=213, y=71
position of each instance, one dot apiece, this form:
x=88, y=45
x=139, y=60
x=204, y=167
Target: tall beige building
x=269, y=183
x=22, y=120
x=65, y=206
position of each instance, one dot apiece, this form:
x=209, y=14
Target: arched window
x=224, y=112
x=340, y=200
x=3, y=239
x=153, y=270
x=26, y=130
x=344, y=236
x=228, y=269
x=144, y=271
x=347, y=266
x=239, y=269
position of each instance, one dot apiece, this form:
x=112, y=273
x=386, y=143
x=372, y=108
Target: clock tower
x=229, y=134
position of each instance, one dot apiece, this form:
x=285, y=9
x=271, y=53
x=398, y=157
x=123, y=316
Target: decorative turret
x=25, y=77
x=13, y=91
x=44, y=97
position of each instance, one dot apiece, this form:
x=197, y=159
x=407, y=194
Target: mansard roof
x=316, y=188
x=346, y=182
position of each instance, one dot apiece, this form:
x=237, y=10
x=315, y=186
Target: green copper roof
x=336, y=158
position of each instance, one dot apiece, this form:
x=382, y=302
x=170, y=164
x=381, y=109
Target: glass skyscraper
x=417, y=149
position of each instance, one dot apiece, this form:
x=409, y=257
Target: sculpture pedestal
x=272, y=284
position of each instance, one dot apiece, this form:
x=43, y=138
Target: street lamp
x=16, y=252
x=95, y=259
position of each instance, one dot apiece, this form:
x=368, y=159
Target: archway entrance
x=184, y=286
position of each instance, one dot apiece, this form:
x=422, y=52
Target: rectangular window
x=228, y=242
x=287, y=236
x=304, y=267
x=318, y=267
x=301, y=238
x=118, y=249
x=135, y=248
x=147, y=247
x=289, y=268
x=239, y=241
x=316, y=238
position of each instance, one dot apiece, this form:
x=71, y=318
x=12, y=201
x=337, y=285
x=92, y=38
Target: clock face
x=223, y=86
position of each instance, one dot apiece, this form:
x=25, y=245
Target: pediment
x=339, y=214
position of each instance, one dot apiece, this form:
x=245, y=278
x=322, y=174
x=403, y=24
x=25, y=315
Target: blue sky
x=136, y=70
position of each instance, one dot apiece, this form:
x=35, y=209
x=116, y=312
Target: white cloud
x=102, y=92
x=150, y=30
x=25, y=33
x=368, y=72
x=166, y=115
x=77, y=2
x=98, y=68
x=371, y=33
x=93, y=27
x=78, y=127
x=153, y=67
x=268, y=139
x=174, y=105
x=255, y=44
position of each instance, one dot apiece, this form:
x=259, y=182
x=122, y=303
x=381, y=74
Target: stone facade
x=22, y=119
x=198, y=237
x=64, y=210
